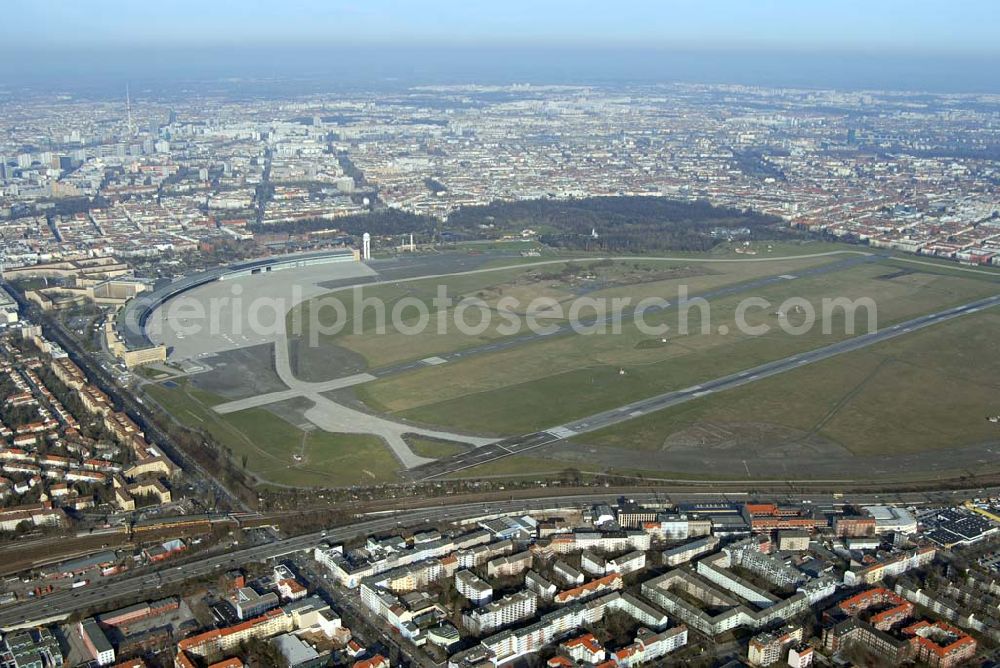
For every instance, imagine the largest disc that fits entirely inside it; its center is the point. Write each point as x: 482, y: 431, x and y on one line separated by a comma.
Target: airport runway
x: 528, y: 442
x: 515, y: 341
x: 332, y: 416
x: 523, y: 339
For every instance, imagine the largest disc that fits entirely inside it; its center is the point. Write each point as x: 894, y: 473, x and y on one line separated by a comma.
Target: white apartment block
x: 506, y: 611
x: 472, y: 587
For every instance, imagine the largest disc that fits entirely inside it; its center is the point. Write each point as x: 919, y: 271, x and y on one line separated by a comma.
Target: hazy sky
x: 944, y: 26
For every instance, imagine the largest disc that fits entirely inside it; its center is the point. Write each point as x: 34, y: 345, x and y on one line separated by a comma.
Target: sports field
x: 552, y: 381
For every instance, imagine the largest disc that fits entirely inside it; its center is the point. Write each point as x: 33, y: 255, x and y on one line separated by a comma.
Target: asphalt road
x: 521, y: 444
x: 58, y: 605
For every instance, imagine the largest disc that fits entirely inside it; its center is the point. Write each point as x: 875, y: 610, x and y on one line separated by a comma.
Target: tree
x: 259, y: 653
x: 570, y: 476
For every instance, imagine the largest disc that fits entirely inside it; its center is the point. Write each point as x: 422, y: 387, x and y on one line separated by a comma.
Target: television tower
x: 129, y: 128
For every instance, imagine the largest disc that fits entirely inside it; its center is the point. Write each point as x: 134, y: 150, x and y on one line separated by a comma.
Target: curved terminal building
x: 130, y: 325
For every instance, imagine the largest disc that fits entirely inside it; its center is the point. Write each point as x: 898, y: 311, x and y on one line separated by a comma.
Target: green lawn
x: 271, y: 443
x: 549, y: 382
x: 930, y: 390
x: 633, y: 278
x: 526, y: 466
x: 391, y: 345
x: 337, y: 460
x: 427, y: 447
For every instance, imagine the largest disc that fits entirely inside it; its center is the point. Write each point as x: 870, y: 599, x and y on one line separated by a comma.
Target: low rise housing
x: 96, y: 642
x: 889, y: 565
x: 534, y: 582
x: 590, y: 589
x: 509, y: 645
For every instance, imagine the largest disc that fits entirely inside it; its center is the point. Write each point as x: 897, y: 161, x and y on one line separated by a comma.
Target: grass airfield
x: 917, y: 396
x: 543, y: 384
x: 277, y: 451
x: 905, y: 410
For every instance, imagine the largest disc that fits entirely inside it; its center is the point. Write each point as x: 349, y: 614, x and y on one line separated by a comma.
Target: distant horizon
x: 958, y: 26
x: 103, y: 70
x: 99, y: 45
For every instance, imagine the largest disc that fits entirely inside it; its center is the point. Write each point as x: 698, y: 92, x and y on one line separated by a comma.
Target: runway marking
x: 434, y: 361
x: 788, y: 277
x: 614, y: 416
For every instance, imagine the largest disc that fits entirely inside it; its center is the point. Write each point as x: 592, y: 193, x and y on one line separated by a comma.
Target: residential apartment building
x: 500, y: 613
x: 474, y: 588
